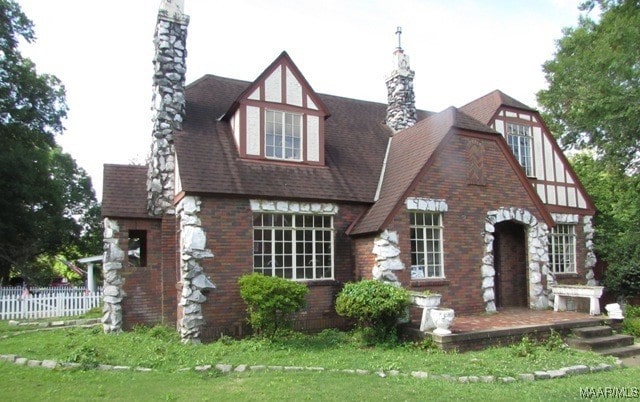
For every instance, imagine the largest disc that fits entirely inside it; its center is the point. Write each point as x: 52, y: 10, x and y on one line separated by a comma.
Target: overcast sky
x: 459, y: 49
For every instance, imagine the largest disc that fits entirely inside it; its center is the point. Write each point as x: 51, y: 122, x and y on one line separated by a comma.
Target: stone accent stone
x: 401, y: 107
x: 293, y: 207
x: 168, y: 104
x: 387, y: 252
x: 113, y: 261
x: 537, y: 246
x: 426, y: 204
x: 195, y: 283
x: 590, y: 259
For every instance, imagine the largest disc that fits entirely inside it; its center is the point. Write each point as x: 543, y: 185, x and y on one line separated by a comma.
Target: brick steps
x: 600, y: 339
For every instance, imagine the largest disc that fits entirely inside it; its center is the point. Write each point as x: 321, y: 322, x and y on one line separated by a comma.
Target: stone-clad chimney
x: 168, y: 103
x: 401, y: 108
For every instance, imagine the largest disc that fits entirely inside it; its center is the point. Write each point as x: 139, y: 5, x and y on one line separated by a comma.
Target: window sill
x: 421, y: 283
x: 566, y: 275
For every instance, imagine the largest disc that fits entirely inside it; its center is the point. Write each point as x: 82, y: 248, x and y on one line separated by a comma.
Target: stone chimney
x: 401, y: 108
x: 168, y: 103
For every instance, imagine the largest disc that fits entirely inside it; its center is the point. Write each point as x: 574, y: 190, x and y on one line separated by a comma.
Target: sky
x: 460, y: 50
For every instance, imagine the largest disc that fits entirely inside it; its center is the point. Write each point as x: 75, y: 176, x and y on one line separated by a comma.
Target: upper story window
x: 283, y: 133
x: 562, y: 249
x: 426, y: 245
x: 520, y: 140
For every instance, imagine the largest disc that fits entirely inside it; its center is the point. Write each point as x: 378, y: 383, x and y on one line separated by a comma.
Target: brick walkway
x: 517, y: 317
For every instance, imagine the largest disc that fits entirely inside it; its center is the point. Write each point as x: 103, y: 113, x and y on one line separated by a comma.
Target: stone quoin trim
x: 112, y: 263
x: 195, y: 284
x: 538, y: 257
x: 590, y: 260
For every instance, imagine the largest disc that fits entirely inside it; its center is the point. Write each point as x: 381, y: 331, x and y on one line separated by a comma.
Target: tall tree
x: 593, y: 96
x: 44, y: 194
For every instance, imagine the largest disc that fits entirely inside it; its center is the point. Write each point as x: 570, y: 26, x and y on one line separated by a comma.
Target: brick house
x: 477, y: 203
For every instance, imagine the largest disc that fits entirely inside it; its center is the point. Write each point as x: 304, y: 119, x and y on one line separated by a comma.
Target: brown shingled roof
x: 484, y: 108
x: 124, y: 191
x: 409, y: 155
x: 355, y: 142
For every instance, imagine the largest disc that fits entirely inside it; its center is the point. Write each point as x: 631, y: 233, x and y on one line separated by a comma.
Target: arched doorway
x: 537, y: 259
x: 510, y: 262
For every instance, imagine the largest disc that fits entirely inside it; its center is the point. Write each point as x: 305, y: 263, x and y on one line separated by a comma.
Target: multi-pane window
x: 426, y: 245
x: 298, y: 247
x: 519, y: 139
x: 283, y: 135
x: 562, y: 249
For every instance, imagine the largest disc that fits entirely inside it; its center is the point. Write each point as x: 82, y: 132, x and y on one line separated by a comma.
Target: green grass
x: 160, y: 348
x: 28, y: 384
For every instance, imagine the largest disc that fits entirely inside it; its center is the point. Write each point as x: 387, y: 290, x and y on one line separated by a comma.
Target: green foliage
x: 555, y: 342
x: 376, y: 307
x: 271, y: 302
x: 623, y: 280
x: 617, y: 239
x: 525, y: 348
x: 632, y: 311
x: 44, y: 193
x: 594, y: 84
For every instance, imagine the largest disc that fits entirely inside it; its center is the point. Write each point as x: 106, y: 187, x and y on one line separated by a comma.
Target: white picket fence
x: 15, y: 303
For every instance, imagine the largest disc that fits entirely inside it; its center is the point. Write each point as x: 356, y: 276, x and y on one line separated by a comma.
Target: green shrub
x: 631, y: 326
x: 623, y: 280
x: 271, y: 302
x: 375, y: 306
x: 526, y: 347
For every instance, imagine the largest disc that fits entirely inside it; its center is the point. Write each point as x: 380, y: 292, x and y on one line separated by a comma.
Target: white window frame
x: 562, y: 249
x: 299, y: 247
x: 426, y: 237
x: 520, y: 141
x: 283, y: 137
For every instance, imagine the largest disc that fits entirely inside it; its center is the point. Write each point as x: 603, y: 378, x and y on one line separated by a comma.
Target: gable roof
x: 484, y: 108
x: 282, y: 60
x: 407, y: 162
x: 124, y: 191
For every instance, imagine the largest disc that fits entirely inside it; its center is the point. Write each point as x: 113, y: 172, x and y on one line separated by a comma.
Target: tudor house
x: 477, y: 203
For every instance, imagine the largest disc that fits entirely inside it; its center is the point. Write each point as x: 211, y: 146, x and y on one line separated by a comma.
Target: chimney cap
x: 173, y: 10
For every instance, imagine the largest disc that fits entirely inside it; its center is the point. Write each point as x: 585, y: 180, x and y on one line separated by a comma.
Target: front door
x: 510, y: 263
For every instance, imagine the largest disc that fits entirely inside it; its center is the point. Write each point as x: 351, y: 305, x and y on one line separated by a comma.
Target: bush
x: 375, y: 305
x: 623, y: 280
x: 271, y: 302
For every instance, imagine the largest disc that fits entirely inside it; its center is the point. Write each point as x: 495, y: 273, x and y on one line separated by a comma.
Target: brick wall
x: 142, y: 285
x: 228, y: 223
x: 448, y: 178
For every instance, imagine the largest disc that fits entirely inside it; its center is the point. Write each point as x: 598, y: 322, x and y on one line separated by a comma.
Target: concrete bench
x: 562, y: 292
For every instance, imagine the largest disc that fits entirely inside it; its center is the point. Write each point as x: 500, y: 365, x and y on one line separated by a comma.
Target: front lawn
x: 159, y: 348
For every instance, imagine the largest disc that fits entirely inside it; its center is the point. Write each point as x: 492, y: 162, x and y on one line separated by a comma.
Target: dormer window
x: 520, y: 140
x: 283, y: 132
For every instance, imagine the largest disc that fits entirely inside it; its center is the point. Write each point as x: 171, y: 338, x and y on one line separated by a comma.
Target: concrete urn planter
x: 427, y: 302
x: 442, y: 319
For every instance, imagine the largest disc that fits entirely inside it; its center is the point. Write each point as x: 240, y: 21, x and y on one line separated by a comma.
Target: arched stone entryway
x: 536, y: 237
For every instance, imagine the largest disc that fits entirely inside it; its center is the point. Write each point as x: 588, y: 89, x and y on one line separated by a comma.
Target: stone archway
x: 537, y: 256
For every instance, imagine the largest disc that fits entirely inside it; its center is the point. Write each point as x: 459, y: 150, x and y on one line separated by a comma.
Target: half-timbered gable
x: 279, y: 117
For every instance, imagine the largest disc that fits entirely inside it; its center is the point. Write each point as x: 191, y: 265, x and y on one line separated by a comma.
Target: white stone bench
x: 562, y: 292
